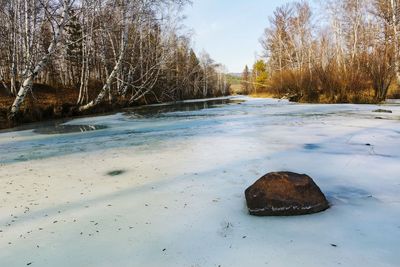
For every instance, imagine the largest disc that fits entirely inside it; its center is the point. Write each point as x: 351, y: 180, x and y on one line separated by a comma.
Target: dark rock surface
x: 383, y: 111
x: 285, y: 194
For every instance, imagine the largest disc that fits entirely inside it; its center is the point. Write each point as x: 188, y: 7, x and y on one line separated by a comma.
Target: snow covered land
x: 164, y: 186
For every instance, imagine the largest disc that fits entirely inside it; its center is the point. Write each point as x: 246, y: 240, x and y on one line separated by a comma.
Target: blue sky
x: 229, y: 30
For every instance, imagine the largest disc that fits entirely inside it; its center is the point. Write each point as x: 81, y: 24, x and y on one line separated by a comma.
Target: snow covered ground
x: 166, y: 188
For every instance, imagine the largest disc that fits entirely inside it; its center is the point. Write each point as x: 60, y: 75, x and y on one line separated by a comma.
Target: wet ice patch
x: 115, y: 172
x: 164, y: 110
x: 311, y: 146
x: 348, y: 195
x: 66, y: 129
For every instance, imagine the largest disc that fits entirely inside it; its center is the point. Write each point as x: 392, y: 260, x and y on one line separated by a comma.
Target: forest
x: 333, y: 51
x: 199, y: 133
x: 60, y: 58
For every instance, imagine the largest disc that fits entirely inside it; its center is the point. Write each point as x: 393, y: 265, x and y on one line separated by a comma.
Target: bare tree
x: 102, y: 51
x: 32, y: 69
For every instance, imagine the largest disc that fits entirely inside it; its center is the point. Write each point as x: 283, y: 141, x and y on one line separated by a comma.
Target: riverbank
x: 322, y: 99
x: 48, y: 103
x: 43, y: 103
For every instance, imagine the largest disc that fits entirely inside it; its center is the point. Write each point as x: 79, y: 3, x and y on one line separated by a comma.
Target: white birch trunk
x: 395, y: 6
x: 107, y: 86
x: 27, y: 83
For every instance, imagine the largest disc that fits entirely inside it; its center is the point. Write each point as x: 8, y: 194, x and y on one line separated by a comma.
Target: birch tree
x: 101, y: 51
x: 32, y: 69
x: 123, y: 9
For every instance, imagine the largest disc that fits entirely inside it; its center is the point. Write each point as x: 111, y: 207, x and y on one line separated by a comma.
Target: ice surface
x: 177, y: 196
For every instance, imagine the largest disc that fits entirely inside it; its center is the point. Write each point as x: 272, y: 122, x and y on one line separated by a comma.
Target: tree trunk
x: 394, y: 5
x: 107, y: 86
x: 26, y: 85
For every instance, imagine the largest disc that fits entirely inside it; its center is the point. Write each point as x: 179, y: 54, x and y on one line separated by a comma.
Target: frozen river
x: 164, y: 186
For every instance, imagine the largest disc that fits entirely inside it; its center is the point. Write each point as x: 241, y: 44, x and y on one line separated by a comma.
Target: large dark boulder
x: 285, y: 194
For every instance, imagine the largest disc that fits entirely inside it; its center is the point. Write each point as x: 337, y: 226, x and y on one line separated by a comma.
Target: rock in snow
x: 382, y: 111
x: 285, y: 194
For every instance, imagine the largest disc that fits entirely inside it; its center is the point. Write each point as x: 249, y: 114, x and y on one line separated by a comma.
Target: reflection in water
x: 64, y: 129
x: 151, y: 111
x: 160, y: 110
x: 117, y: 130
x: 151, y: 127
x: 139, y: 126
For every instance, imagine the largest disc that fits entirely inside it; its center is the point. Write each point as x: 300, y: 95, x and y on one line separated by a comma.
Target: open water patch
x: 185, y: 106
x: 66, y: 129
x: 311, y: 146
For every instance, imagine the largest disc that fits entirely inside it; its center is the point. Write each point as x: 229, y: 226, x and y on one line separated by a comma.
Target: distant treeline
x: 107, y: 50
x: 348, y: 52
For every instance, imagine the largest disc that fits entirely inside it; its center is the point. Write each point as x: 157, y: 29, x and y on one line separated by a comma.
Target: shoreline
x: 101, y: 110
x: 39, y: 113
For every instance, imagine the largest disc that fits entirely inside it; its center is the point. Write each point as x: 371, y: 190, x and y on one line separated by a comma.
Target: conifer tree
x: 246, y: 81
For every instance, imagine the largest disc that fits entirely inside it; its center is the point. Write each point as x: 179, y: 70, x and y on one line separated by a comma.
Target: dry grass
x: 236, y: 88
x: 394, y: 93
x: 263, y: 95
x: 44, y: 102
